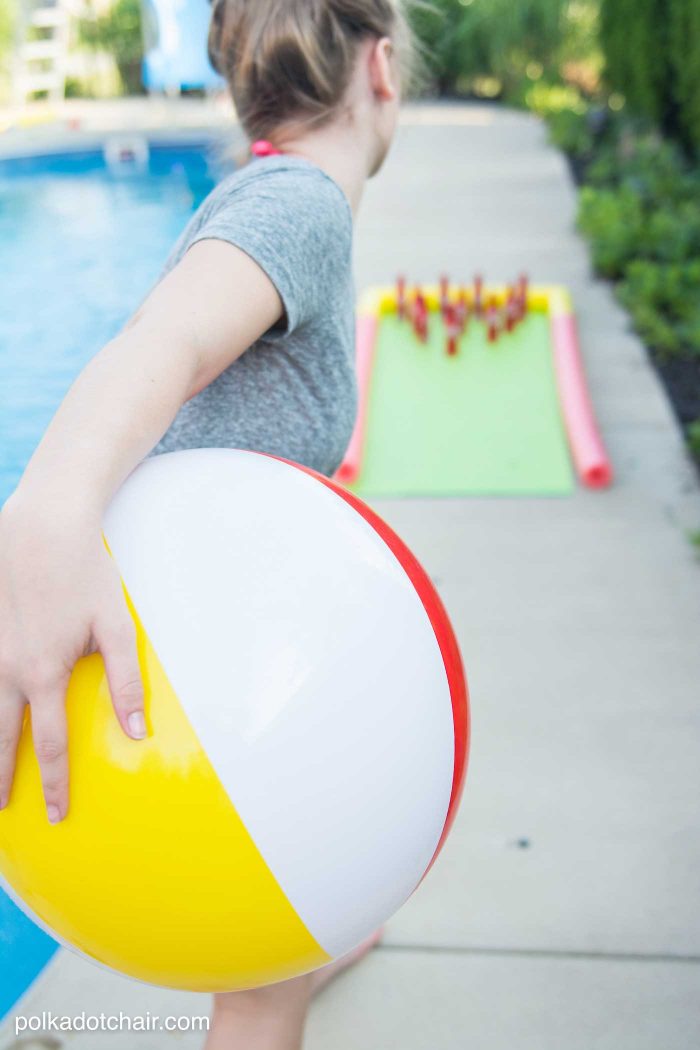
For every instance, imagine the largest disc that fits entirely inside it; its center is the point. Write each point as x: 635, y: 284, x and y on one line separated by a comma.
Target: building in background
x: 109, y: 47
x: 42, y: 35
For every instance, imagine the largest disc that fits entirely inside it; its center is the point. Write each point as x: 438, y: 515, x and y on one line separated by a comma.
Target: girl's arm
x: 199, y: 319
x: 60, y: 592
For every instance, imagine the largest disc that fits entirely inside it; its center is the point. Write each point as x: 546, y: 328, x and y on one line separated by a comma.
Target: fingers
x: 12, y: 708
x: 50, y: 737
x: 117, y: 643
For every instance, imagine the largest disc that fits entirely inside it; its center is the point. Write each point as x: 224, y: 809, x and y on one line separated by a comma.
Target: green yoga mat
x: 486, y: 421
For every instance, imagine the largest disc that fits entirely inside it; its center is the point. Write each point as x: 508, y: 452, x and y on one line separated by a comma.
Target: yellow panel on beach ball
x: 158, y: 861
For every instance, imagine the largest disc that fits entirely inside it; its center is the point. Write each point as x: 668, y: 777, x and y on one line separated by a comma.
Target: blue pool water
x: 80, y: 246
x: 24, y: 952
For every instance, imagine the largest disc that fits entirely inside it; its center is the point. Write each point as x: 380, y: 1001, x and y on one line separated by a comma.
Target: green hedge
x: 639, y: 207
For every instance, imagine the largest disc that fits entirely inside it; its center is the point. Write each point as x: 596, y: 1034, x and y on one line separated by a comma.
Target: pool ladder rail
x: 124, y: 154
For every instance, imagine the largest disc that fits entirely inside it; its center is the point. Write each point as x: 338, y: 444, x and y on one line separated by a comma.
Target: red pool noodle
x: 586, y: 445
x: 365, y: 340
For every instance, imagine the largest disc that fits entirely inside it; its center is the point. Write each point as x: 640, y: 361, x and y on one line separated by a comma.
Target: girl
x: 246, y: 341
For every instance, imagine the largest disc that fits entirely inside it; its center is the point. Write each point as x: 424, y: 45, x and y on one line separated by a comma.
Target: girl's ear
x: 381, y: 68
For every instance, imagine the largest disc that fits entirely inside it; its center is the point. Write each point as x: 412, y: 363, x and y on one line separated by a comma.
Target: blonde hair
x: 291, y: 61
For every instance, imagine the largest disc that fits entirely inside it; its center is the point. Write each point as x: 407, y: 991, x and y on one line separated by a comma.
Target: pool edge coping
x: 64, y: 142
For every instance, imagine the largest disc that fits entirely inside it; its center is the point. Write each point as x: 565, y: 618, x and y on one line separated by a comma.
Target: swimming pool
x: 81, y: 242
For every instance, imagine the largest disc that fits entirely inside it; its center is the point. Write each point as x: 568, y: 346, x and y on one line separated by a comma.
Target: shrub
x: 640, y: 202
x: 544, y: 99
x: 642, y: 216
x: 642, y: 160
x: 693, y: 432
x: 664, y: 303
x: 673, y: 232
x: 76, y: 87
x: 571, y: 131
x: 614, y: 221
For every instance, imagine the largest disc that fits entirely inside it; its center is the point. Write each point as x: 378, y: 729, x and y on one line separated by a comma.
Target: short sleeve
x: 296, y: 225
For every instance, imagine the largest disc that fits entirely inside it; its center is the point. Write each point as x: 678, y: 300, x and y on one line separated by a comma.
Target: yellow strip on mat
x: 152, y: 873
x: 380, y: 300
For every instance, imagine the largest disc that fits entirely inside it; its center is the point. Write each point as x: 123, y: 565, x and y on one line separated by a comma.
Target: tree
x: 652, y: 57
x: 7, y: 25
x: 684, y: 61
x: 120, y: 33
x: 464, y: 39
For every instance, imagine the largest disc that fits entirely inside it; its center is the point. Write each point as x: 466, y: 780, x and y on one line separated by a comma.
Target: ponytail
x: 292, y: 60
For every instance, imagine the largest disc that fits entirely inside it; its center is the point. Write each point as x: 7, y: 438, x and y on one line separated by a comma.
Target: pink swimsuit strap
x: 263, y: 148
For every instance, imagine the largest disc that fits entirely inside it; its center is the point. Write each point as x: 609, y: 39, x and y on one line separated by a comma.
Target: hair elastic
x: 263, y: 148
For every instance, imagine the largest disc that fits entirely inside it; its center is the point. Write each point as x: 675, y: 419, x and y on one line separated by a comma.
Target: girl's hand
x: 60, y: 598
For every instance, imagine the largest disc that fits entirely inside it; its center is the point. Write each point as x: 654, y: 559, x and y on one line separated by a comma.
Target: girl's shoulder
x: 279, y: 205
x: 292, y: 219
x: 281, y: 182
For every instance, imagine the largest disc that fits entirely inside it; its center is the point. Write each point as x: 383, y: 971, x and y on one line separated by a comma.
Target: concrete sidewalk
x: 564, y: 913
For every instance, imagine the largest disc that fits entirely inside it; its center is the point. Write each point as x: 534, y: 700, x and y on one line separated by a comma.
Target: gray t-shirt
x: 292, y: 393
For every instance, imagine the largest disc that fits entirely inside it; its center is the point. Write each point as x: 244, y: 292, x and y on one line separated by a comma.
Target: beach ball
x: 307, y: 734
